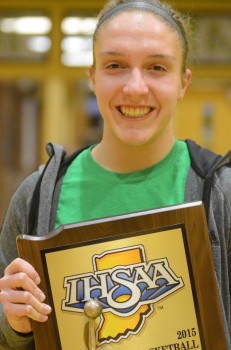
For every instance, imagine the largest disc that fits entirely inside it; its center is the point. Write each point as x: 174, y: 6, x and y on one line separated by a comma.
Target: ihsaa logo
x: 127, y: 286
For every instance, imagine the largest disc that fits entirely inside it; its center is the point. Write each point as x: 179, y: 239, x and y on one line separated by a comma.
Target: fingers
x: 21, y: 275
x: 22, y: 303
x: 20, y: 280
x: 21, y: 298
x: 20, y: 265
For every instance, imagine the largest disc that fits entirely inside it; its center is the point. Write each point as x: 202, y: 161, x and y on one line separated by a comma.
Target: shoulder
x: 212, y: 171
x: 20, y: 201
x: 15, y: 221
x: 222, y: 180
x: 202, y: 159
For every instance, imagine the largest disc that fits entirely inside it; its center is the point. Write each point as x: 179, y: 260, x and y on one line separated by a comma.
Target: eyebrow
x: 110, y: 53
x: 118, y: 54
x: 170, y: 57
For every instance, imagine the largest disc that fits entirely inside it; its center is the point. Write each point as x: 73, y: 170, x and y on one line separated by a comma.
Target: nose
x: 136, y: 85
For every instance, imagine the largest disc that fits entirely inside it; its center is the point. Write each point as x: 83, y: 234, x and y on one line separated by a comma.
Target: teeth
x: 135, y: 112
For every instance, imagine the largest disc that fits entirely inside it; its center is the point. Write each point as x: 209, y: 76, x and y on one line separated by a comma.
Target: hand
x: 20, y: 296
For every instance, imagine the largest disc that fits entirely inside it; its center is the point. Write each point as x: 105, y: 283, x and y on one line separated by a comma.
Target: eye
x: 114, y: 66
x: 158, y: 67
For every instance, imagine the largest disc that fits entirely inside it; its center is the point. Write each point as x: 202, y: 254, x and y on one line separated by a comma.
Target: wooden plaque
x: 152, y: 271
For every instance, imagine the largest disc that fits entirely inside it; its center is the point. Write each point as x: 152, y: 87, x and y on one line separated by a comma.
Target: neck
x: 129, y: 158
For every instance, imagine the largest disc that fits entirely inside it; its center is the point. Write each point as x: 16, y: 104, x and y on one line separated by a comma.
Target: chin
x: 136, y: 139
x: 135, y: 142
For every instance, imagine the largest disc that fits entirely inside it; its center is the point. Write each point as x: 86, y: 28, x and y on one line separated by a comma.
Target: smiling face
x: 138, y: 79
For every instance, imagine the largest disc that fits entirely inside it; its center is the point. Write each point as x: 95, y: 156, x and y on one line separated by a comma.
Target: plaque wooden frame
x: 192, y: 222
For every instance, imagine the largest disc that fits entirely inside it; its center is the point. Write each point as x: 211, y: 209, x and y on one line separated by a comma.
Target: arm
x: 21, y: 299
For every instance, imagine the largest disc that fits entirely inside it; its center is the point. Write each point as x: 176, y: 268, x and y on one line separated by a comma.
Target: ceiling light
x: 26, y: 25
x: 39, y: 44
x: 79, y: 25
x: 76, y: 44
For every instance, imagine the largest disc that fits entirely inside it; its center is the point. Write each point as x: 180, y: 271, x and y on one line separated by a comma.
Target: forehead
x: 135, y: 17
x: 137, y: 27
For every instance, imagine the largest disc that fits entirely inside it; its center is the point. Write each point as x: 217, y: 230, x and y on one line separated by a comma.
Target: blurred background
x: 45, y: 93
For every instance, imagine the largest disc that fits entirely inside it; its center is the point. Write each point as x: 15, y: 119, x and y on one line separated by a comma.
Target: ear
x: 91, y: 71
x: 186, y: 79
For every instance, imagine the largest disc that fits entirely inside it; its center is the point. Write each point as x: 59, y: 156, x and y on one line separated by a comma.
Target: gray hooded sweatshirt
x: 218, y: 216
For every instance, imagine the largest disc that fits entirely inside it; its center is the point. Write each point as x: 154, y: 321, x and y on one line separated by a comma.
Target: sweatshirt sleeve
x: 14, y: 224
x: 9, y: 339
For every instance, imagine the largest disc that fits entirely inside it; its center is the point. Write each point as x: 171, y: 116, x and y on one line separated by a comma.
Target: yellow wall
x: 190, y: 120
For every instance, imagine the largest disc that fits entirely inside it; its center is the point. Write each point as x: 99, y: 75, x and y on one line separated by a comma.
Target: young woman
x: 139, y: 75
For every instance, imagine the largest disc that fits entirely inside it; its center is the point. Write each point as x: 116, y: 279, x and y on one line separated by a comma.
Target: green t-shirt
x: 91, y: 192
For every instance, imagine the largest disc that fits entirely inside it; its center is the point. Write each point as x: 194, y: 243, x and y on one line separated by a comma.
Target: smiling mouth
x: 135, y: 112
